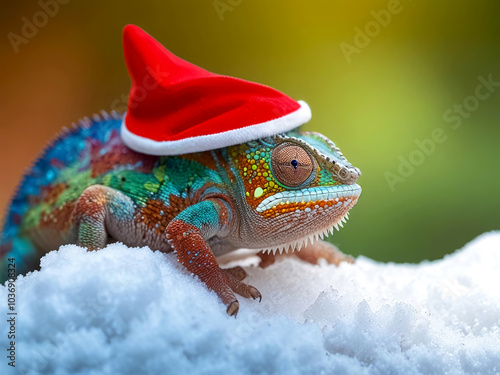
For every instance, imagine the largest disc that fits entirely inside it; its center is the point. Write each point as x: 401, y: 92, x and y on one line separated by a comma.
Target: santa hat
x: 176, y: 107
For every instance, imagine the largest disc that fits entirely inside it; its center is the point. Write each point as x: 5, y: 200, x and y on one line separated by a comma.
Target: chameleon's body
x: 88, y: 188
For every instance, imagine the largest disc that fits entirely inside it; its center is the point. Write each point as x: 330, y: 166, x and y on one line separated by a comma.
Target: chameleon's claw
x: 254, y: 293
x: 239, y: 287
x: 232, y: 309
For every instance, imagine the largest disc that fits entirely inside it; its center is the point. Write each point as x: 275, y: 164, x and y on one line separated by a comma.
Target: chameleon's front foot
x: 232, y: 280
x: 193, y: 252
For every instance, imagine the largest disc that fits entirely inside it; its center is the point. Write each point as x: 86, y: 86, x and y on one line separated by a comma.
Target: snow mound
x: 133, y: 311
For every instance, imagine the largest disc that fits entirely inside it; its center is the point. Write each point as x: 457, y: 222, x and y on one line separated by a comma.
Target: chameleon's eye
x: 291, y: 164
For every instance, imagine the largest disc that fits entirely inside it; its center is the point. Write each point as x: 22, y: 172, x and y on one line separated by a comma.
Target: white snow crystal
x: 133, y: 311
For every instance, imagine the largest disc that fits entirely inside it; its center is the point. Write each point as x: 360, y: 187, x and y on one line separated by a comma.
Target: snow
x: 133, y: 311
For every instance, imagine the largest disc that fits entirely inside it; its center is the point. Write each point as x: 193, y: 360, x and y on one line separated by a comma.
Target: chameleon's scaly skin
x: 88, y: 188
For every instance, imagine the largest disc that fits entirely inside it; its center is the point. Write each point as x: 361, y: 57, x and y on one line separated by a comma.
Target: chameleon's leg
x: 99, y: 209
x: 188, y: 233
x: 311, y: 253
x: 322, y: 249
x: 266, y: 259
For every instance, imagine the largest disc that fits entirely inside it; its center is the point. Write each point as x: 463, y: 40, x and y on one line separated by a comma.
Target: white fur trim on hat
x: 214, y: 141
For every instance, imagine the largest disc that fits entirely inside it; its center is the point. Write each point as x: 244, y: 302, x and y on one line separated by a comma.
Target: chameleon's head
x: 297, y: 187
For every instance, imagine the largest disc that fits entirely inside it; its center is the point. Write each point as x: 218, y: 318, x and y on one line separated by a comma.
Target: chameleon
x: 276, y: 194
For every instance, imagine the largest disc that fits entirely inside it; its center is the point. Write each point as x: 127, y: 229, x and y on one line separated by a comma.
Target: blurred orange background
x: 380, y: 76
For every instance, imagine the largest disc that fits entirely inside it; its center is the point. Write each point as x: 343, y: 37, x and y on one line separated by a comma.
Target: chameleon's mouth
x: 328, y: 196
x: 312, y: 238
x: 337, y: 200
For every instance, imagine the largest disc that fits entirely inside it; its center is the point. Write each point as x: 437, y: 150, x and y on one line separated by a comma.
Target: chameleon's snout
x: 348, y: 175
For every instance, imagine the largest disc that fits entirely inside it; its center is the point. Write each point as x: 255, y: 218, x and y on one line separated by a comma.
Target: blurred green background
x: 392, y: 88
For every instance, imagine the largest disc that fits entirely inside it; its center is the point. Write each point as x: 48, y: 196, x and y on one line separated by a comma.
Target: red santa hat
x: 176, y: 107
